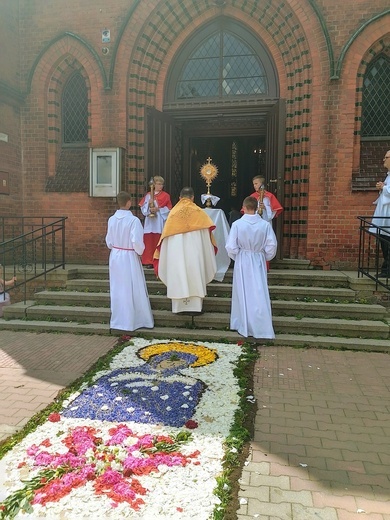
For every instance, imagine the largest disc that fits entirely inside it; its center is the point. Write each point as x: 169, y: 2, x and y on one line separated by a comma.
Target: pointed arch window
x: 75, y: 110
x: 220, y: 61
x: 376, y: 93
x: 373, y: 115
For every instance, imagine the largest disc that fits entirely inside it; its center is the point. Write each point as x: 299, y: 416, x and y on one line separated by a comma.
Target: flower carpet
x: 151, y: 432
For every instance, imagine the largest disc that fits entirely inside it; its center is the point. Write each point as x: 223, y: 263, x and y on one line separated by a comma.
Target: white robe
x: 4, y: 299
x: 382, y: 208
x: 251, y: 242
x: 186, y: 265
x: 220, y: 233
x: 130, y: 304
x: 154, y: 224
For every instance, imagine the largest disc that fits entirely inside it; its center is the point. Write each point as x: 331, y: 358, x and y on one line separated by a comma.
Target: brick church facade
x: 296, y: 90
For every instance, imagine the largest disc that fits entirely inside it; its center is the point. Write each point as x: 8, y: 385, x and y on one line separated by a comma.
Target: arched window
x: 376, y: 96
x: 75, y: 110
x: 222, y: 60
x: 373, y: 113
x: 71, y: 162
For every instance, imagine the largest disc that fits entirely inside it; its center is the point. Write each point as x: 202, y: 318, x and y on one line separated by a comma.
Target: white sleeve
x: 145, y: 206
x: 271, y: 244
x: 231, y: 246
x: 268, y: 214
x: 109, y: 241
x: 386, y: 193
x: 164, y: 212
x: 137, y: 237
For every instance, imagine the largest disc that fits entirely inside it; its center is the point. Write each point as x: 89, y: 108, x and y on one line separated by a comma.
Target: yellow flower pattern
x: 205, y: 355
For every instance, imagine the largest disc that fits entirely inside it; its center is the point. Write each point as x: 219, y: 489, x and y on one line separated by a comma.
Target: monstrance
x: 208, y: 172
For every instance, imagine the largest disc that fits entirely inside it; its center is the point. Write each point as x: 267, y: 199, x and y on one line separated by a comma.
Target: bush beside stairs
x: 325, y: 309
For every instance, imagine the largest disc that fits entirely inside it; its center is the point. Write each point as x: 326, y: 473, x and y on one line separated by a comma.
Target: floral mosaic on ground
x: 144, y: 439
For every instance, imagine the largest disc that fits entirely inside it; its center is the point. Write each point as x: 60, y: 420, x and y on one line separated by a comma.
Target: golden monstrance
x: 208, y: 172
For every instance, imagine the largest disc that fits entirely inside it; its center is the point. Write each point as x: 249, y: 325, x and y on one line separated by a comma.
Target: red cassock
x: 275, y: 204
x: 163, y: 199
x: 152, y: 235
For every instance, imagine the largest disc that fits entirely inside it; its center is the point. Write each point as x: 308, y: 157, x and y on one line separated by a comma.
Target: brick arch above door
x: 295, y: 52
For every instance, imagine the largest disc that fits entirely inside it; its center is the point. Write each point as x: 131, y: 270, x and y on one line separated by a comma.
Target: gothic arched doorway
x: 221, y: 101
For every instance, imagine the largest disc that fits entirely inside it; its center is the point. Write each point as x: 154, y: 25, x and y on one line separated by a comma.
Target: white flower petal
x: 168, y: 488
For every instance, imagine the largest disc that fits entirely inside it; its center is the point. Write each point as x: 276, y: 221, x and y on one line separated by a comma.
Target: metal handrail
x: 31, y: 247
x: 370, y: 254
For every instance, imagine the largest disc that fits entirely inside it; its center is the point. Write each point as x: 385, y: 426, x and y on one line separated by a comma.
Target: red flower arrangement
x: 54, y: 417
x: 191, y: 425
x: 90, y: 458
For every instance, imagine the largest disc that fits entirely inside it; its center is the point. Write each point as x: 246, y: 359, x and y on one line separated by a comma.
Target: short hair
x: 258, y: 177
x: 187, y: 193
x: 122, y: 198
x: 158, y: 178
x: 250, y: 203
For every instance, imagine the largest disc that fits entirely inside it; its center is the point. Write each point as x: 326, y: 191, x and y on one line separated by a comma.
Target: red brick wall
x: 9, y: 55
x: 337, y: 226
x: 10, y: 100
x: 322, y: 143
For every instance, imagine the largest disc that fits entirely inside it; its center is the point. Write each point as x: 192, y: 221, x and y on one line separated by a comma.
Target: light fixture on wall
x: 105, y: 50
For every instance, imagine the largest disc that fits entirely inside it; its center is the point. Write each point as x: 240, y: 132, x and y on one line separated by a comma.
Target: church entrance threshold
x: 237, y: 158
x: 242, y: 141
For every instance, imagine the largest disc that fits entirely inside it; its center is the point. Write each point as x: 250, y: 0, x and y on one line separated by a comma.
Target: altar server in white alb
x: 155, y: 207
x: 251, y: 243
x: 130, y: 305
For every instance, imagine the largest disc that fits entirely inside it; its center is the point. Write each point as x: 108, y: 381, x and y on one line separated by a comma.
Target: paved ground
x: 34, y: 367
x: 321, y: 447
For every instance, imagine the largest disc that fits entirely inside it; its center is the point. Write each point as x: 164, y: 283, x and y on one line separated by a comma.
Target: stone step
x: 324, y: 309
x: 90, y: 286
x: 275, y: 277
x: 362, y: 328
x: 97, y: 271
x: 294, y: 340
x: 91, y: 299
x: 307, y: 278
x: 220, y: 304
x: 290, y: 263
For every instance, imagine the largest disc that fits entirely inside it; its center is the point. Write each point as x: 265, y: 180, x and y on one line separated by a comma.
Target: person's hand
x: 380, y: 185
x: 261, y: 205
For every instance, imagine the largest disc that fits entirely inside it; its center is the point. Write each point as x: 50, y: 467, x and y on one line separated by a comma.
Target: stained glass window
x: 376, y: 96
x: 222, y: 65
x: 75, y: 110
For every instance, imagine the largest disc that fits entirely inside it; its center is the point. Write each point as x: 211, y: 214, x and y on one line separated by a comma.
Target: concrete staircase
x: 327, y: 309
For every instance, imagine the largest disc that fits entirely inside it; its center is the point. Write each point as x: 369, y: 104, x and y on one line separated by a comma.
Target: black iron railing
x: 31, y: 247
x: 370, y: 250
